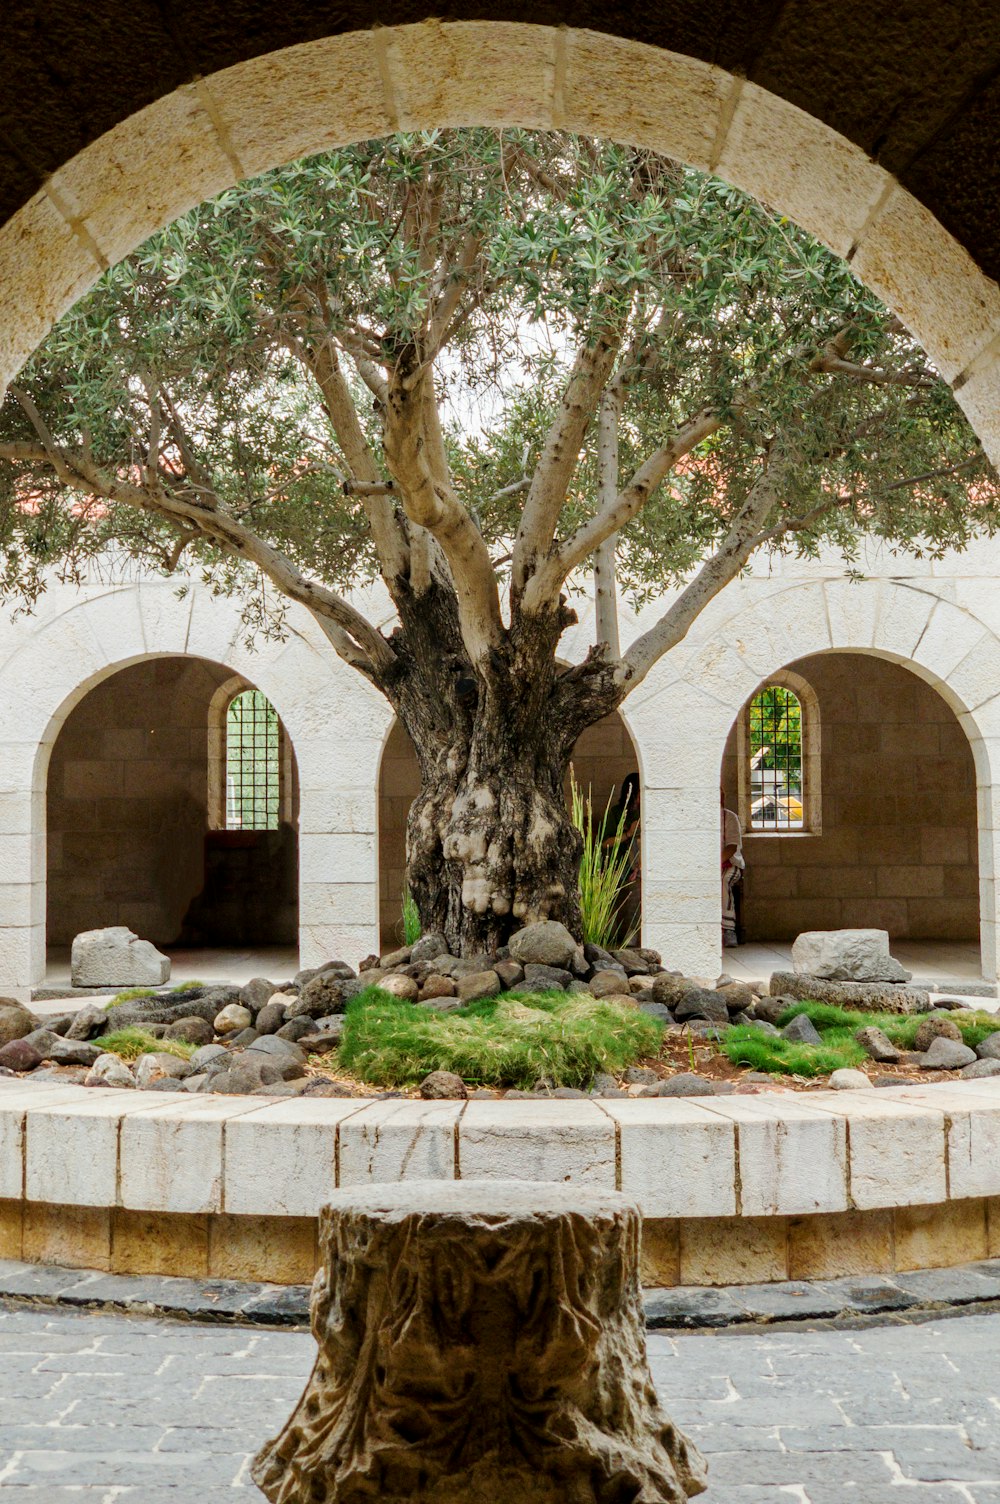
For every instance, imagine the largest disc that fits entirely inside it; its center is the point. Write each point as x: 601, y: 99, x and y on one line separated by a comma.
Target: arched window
x: 779, y: 751
x: 253, y: 763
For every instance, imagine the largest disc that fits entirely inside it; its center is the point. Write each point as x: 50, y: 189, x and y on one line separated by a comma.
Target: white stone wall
x: 941, y: 620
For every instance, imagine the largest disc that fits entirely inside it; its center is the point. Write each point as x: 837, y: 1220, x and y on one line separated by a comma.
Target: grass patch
x: 502, y: 1041
x: 745, y: 1045
x: 188, y: 986
x: 130, y: 1043
x: 130, y: 995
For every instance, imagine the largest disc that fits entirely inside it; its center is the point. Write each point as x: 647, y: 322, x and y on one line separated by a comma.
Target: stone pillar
x: 479, y: 1342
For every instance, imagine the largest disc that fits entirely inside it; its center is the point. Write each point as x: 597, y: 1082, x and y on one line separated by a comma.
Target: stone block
x: 847, y: 956
x: 935, y: 1237
x: 172, y: 1154
x: 282, y: 1159
x: 150, y: 1242
x: 660, y: 1252
x: 972, y: 1132
x: 11, y: 1228
x: 460, y: 73
x: 71, y: 1148
x: 676, y: 1158
x: 870, y: 997
x: 733, y: 1250
x: 845, y: 1243
x: 77, y: 1236
x: 897, y: 1153
x: 792, y: 1159
x: 115, y: 957
x: 399, y: 1140
x: 537, y: 1140
x: 275, y: 1250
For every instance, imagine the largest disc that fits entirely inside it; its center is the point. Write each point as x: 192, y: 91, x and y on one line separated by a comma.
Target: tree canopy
x: 488, y: 362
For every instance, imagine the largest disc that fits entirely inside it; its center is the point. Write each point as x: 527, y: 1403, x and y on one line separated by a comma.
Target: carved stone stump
x: 480, y: 1342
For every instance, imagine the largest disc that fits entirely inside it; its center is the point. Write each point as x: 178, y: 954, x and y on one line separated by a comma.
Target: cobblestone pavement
x: 110, y: 1409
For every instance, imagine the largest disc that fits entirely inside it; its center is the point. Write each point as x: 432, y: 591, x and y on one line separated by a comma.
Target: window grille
x: 775, y: 736
x: 253, y: 763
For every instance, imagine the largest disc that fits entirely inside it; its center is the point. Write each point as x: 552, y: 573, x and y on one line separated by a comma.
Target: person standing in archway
x: 733, y: 868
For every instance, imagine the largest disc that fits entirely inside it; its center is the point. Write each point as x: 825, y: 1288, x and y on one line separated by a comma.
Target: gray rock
x: 877, y: 1045
x: 89, y: 1022
x: 868, y: 997
x: 322, y: 1086
x: 396, y: 958
x: 397, y: 984
x: 435, y: 985
x: 930, y: 1029
x: 242, y: 1039
x: 639, y: 1075
x: 440, y: 1084
x: 669, y: 988
x: 847, y: 956
x: 191, y: 1030
x: 115, y: 957
x: 989, y: 1048
x: 737, y: 996
x: 208, y: 1052
x: 770, y: 1009
x: 109, y: 1070
x: 21, y: 1055
x: 270, y: 1018
x: 801, y: 1030
x: 327, y: 994
x: 441, y: 1004
x: 15, y: 1021
x: 764, y: 1027
x: 542, y: 978
x: 479, y: 984
x: 232, y: 1018
x: 703, y: 1003
x: 63, y: 1051
x: 603, y: 1081
x: 981, y: 1068
x: 141, y: 1012
x: 633, y: 961
x: 683, y: 1085
x: 246, y: 1074
x: 608, y: 983
x: 153, y: 1068
x: 257, y: 993
x: 273, y: 1046
x: 659, y: 1011
x: 847, y: 1079
x: 429, y: 947
x: 568, y: 1092
x: 547, y: 943
x: 947, y: 1055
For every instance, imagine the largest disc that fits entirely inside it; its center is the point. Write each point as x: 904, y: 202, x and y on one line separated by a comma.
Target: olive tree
x: 489, y: 369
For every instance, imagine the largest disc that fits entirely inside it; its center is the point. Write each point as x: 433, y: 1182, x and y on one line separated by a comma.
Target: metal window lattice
x: 776, y: 795
x: 253, y: 764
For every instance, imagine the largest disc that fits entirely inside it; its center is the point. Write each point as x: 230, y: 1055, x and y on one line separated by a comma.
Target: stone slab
x: 866, y: 997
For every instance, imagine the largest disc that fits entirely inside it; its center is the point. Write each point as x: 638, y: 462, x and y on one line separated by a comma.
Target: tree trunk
x: 491, y: 845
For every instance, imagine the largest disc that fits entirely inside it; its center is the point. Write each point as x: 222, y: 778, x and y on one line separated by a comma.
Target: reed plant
x: 605, y: 867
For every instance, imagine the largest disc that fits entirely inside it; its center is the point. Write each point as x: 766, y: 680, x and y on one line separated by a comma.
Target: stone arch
x: 683, y: 715
x: 334, y: 722
x: 604, y: 755
x: 269, y: 109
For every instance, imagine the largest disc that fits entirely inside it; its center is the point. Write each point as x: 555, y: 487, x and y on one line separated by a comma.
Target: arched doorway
x: 858, y: 807
x: 172, y: 808
x: 603, y: 758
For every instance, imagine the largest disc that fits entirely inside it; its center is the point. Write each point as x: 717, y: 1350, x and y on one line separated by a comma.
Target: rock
x: 603, y: 1081
x: 737, y: 996
x: 109, y: 1070
x: 20, y: 1055
x: 930, y: 1029
x: 396, y: 958
x: 440, y: 1084
x: 322, y: 1086
x: 659, y: 1011
x: 479, y: 984
x: 209, y: 1052
x: 141, y: 1012
x: 274, y: 1047
x: 509, y: 972
x: 15, y: 1021
x: 701, y: 1002
x: 90, y: 1021
x: 438, y: 986
x: 257, y: 993
x: 232, y: 1019
x: 61, y: 1024
x: 877, y: 1045
x: 115, y: 957
x: 639, y: 1075
x: 397, y: 985
x: 989, y: 1048
x: 607, y: 983
x: 801, y: 1030
x: 847, y: 956
x: 542, y: 978
x: 668, y: 988
x: 295, y: 1029
x: 867, y: 997
x: 270, y: 1018
x: 980, y: 1069
x: 63, y: 1051
x: 429, y: 947
x: 848, y: 1080
x: 770, y: 1009
x: 153, y: 1068
x: 327, y: 993
x: 462, y: 966
x: 685, y: 1084
x: 547, y: 943
x: 240, y: 1040
x: 633, y: 962
x: 763, y: 1027
x: 946, y: 1055
x: 325, y: 1039
x: 442, y: 1004
x: 189, y: 1030
x: 246, y: 1075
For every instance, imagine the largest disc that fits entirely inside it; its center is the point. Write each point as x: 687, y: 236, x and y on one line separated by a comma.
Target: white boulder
x: 847, y: 956
x: 115, y: 957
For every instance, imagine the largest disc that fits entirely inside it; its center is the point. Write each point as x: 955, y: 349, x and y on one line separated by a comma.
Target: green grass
x: 606, y: 862
x: 411, y: 919
x: 130, y: 1043
x: 130, y: 995
x: 187, y: 986
x: 502, y: 1041
x: 837, y: 1026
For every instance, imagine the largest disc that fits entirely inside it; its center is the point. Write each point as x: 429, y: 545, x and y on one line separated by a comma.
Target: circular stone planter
x: 732, y: 1189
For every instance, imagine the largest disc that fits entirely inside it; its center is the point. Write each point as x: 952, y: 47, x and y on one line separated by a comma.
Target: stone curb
x: 921, y: 1295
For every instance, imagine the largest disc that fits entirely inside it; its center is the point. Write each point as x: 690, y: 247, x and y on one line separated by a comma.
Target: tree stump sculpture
x: 479, y: 1342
